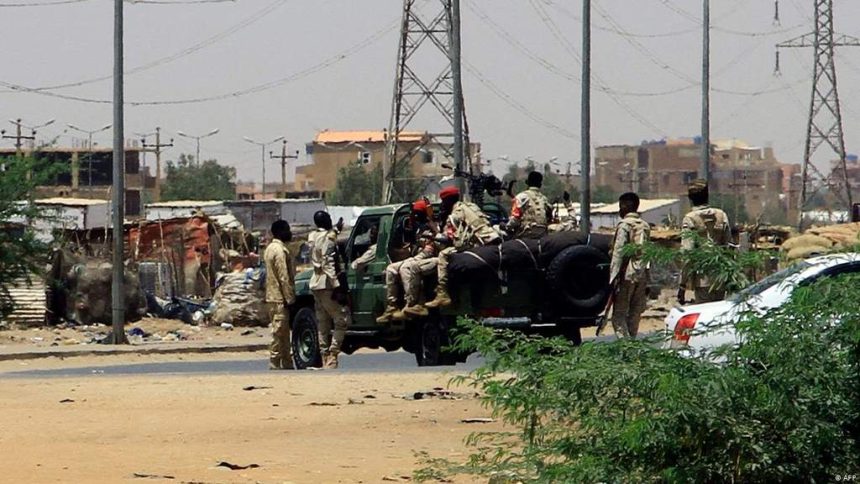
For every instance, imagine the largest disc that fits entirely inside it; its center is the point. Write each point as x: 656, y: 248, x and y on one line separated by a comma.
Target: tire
x: 579, y: 279
x: 572, y: 333
x: 305, y: 340
x: 432, y: 337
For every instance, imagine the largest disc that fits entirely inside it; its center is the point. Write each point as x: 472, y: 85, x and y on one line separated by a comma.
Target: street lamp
x: 198, y: 138
x: 263, y: 156
x: 90, y: 134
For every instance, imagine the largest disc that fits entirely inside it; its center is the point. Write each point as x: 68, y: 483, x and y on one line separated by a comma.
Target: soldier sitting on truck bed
x: 531, y: 211
x: 421, y: 223
x: 466, y: 227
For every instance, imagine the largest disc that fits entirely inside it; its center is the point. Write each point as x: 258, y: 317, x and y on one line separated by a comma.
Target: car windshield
x: 770, y: 281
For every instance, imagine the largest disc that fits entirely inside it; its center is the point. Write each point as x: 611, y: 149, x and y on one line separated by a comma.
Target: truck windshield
x: 770, y: 281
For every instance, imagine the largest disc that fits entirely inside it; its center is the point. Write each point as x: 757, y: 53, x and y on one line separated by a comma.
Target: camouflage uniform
x: 364, y: 259
x: 323, y: 283
x: 631, y: 295
x: 529, y: 218
x: 567, y: 223
x: 280, y: 292
x: 467, y: 227
x: 711, y: 224
x: 412, y: 273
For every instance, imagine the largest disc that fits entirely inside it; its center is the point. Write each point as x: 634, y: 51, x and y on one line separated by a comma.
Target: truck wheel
x: 432, y: 338
x: 306, y: 347
x: 579, y: 278
x: 573, y: 334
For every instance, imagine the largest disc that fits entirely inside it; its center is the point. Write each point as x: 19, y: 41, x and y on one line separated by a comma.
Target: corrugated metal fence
x: 29, y: 302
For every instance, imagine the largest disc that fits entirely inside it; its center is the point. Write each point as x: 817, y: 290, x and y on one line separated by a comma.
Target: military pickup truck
x: 561, y: 288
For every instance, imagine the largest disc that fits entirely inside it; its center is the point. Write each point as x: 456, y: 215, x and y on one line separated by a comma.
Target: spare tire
x: 579, y: 279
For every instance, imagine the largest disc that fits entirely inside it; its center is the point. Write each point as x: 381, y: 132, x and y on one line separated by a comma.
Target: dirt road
x: 302, y: 427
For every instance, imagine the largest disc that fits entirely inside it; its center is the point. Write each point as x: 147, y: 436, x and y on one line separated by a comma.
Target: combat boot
x: 416, y: 311
x: 330, y: 361
x: 387, y: 316
x: 400, y: 315
x: 443, y: 299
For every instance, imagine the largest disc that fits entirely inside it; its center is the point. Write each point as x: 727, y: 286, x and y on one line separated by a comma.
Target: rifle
x: 614, y: 286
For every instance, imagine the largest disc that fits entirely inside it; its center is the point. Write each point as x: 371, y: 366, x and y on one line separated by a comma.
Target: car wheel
x: 305, y: 340
x: 432, y: 343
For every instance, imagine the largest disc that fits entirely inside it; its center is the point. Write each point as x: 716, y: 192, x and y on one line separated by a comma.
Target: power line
x: 247, y: 22
x: 40, y: 4
x: 343, y: 55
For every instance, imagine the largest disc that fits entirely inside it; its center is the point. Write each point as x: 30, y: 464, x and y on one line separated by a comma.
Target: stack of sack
x: 821, y: 240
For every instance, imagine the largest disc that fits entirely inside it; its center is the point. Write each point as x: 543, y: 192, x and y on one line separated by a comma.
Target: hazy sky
x: 525, y: 102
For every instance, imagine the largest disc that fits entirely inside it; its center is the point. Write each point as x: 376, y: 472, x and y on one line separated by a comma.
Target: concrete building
x: 90, y: 175
x: 663, y: 169
x: 332, y: 150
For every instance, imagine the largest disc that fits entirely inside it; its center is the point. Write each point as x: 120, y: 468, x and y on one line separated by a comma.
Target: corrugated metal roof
x: 29, y: 302
x: 70, y: 202
x: 185, y: 204
x: 644, y: 205
x: 363, y: 136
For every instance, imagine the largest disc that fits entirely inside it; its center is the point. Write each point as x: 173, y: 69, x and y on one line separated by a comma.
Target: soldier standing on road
x: 330, y: 295
x: 531, y: 211
x: 710, y: 225
x: 628, y: 273
x: 466, y: 227
x: 280, y: 294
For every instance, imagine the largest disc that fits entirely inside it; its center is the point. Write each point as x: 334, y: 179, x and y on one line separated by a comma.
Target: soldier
x: 629, y: 275
x: 369, y: 255
x: 280, y: 293
x: 531, y: 211
x: 467, y: 226
x: 420, y: 221
x: 330, y: 293
x: 708, y: 224
x: 568, y: 223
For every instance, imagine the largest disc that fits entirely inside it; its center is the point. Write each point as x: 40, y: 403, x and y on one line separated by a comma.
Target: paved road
x: 398, y: 361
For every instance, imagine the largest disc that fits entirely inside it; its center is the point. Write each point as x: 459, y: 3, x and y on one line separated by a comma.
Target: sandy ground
x: 297, y: 427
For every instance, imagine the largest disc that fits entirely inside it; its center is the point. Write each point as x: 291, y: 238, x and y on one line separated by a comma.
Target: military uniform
x: 323, y: 283
x: 364, y: 259
x: 467, y: 227
x: 632, y: 293
x: 529, y: 214
x: 280, y: 292
x: 567, y: 223
x: 412, y: 273
x: 711, y: 224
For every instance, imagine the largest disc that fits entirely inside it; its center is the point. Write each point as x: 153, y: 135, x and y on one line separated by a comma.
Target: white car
x: 703, y: 327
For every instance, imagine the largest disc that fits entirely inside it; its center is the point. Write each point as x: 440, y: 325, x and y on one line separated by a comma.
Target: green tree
x: 356, y: 185
x: 186, y: 180
x: 604, y: 194
x: 21, y: 253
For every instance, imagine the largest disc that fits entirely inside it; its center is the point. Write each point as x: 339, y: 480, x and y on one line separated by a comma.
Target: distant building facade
x: 332, y: 150
x: 89, y: 175
x: 663, y: 169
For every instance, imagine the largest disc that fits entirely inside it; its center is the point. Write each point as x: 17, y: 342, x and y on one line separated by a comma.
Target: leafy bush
x: 782, y: 406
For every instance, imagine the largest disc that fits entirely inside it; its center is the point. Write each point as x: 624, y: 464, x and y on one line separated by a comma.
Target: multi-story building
x: 332, y: 150
x: 663, y: 169
x: 89, y: 175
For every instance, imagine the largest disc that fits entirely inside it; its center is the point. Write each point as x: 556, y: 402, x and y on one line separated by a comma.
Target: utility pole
x: 457, y: 81
x: 705, y: 170
x: 118, y: 195
x: 263, y: 157
x: 89, y: 134
x: 585, y: 153
x: 284, y: 157
x: 19, y: 136
x: 156, y: 148
x: 824, y: 125
x: 198, y: 138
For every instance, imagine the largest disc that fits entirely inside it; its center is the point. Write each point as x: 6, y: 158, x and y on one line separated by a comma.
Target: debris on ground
x: 239, y: 299
x: 237, y: 467
x: 477, y: 420
x: 439, y: 393
x: 138, y: 475
x: 252, y: 387
x: 352, y: 401
x: 67, y: 400
x: 324, y: 404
